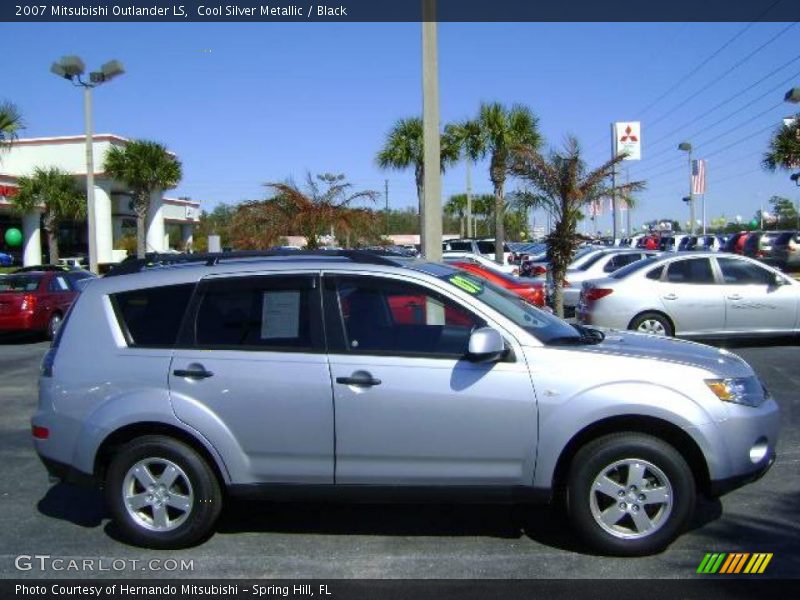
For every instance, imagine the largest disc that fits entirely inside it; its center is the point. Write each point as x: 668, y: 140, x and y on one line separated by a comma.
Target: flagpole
x: 703, y: 204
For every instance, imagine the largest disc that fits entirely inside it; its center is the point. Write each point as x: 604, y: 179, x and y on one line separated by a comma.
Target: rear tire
x: 161, y: 493
x: 629, y: 494
x: 652, y: 323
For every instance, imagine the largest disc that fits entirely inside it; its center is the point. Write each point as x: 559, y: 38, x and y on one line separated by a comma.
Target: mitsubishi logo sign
x: 628, y: 139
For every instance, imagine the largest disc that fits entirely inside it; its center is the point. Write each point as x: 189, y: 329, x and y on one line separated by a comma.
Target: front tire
x: 162, y: 494
x: 629, y: 494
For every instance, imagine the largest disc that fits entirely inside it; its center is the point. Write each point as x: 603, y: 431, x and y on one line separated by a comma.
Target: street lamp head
x: 58, y: 69
x: 72, y: 65
x: 685, y: 146
x: 795, y: 177
x: 793, y: 95
x: 111, y: 69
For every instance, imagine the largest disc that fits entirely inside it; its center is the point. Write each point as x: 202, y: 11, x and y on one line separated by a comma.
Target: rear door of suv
x: 251, y: 352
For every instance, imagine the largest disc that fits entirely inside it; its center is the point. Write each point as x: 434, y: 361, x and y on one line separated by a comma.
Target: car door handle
x: 359, y: 378
x: 670, y: 297
x: 193, y: 373
x: 734, y: 297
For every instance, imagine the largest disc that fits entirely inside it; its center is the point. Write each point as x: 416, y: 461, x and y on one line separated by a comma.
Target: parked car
x: 481, y: 260
x: 786, y: 251
x: 694, y: 295
x: 598, y: 266
x: 538, y: 266
x: 759, y: 245
x: 246, y: 375
x: 37, y: 301
x: 533, y: 292
x: 484, y: 247
x: 736, y: 242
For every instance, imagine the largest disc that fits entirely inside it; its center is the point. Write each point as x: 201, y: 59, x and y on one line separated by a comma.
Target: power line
x: 725, y: 74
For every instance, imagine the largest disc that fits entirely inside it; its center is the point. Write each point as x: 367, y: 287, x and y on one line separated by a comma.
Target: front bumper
x: 723, y: 486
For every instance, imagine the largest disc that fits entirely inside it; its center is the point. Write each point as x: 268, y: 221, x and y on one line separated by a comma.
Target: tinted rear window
x: 460, y: 246
x: 20, y: 283
x: 151, y: 317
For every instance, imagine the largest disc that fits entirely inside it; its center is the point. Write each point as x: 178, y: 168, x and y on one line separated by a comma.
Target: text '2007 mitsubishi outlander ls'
x: 351, y: 374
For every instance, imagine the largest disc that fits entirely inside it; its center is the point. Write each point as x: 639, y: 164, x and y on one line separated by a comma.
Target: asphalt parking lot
x: 388, y: 541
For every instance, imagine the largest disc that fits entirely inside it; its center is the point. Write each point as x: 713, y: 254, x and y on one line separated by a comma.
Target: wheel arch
x: 676, y: 437
x: 653, y: 312
x: 126, y: 433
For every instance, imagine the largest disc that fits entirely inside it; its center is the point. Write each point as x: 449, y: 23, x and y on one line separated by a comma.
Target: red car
x: 532, y: 292
x: 36, y: 301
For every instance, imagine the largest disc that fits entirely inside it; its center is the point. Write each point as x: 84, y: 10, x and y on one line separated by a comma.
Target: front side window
x: 20, y: 283
x: 694, y: 270
x: 741, y: 272
x: 258, y: 313
x: 151, y: 317
x: 59, y: 284
x: 382, y: 316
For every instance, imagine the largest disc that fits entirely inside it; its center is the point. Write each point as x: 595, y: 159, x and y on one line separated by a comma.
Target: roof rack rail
x: 135, y: 265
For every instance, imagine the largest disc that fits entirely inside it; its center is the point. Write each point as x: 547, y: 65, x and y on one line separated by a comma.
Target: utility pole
x: 432, y: 205
x: 627, y: 204
x: 469, y: 199
x: 386, y: 197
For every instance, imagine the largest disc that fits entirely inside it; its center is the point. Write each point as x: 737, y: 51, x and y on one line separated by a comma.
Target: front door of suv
x: 410, y: 409
x: 251, y: 352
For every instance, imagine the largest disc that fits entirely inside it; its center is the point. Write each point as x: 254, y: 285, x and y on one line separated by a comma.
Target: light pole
x: 687, y: 147
x: 432, y: 189
x: 72, y: 68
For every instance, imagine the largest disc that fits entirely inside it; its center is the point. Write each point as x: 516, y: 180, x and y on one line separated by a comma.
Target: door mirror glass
x: 486, y: 345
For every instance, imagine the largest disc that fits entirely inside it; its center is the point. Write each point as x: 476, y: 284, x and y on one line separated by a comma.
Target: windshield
x: 542, y: 325
x: 633, y: 267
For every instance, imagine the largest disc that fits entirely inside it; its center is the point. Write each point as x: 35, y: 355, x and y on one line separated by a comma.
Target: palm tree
x: 495, y: 132
x: 57, y: 192
x: 10, y: 124
x: 145, y: 167
x: 456, y: 206
x: 324, y: 205
x: 784, y: 148
x: 562, y: 184
x: 403, y: 148
x: 483, y: 206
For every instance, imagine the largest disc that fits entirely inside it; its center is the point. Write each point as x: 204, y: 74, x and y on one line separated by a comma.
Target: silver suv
x: 351, y: 374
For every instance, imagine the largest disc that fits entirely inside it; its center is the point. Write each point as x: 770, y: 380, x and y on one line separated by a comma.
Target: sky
x: 244, y: 104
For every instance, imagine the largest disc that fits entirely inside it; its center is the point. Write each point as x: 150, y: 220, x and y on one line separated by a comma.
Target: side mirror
x: 778, y: 280
x: 486, y: 345
x: 610, y: 267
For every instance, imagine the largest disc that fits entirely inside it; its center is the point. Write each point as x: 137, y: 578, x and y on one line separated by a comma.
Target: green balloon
x: 13, y: 237
x: 754, y: 223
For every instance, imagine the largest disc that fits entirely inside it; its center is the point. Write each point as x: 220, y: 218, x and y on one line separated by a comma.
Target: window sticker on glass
x: 280, y: 315
x: 468, y: 285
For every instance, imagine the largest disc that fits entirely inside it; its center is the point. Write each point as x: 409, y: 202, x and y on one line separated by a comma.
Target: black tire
x: 654, y: 317
x: 204, y: 488
x: 53, y: 325
x: 596, y: 458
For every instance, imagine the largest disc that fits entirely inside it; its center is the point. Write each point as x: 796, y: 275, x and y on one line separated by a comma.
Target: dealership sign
x: 628, y: 139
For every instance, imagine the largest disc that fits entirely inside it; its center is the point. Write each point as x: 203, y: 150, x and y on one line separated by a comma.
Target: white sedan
x: 481, y: 260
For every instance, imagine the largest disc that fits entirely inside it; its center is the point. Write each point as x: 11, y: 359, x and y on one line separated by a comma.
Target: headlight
x: 741, y: 390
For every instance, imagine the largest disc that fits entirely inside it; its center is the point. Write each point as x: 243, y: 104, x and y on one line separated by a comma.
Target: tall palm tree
x: 145, y: 167
x: 456, y: 206
x: 326, y: 203
x: 58, y: 194
x: 483, y: 206
x: 495, y: 132
x: 784, y: 148
x: 562, y: 183
x: 403, y: 148
x: 10, y: 124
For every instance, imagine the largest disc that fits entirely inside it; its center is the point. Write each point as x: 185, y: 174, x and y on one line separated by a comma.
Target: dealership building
x: 112, y: 201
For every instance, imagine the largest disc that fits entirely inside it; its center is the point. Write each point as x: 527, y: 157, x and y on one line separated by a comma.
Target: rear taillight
x: 539, y: 270
x: 28, y: 303
x: 594, y: 294
x: 40, y: 433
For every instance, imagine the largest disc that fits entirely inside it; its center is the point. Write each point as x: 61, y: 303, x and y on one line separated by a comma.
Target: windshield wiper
x: 586, y: 336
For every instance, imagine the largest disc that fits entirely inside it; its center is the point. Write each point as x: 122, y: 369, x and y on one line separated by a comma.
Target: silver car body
x: 274, y: 417
x: 481, y: 260
x: 713, y: 308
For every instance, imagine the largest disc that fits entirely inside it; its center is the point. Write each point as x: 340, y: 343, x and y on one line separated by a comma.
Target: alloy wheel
x: 157, y: 494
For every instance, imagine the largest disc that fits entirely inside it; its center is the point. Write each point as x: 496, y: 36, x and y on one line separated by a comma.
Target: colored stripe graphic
x: 734, y: 563
x: 758, y: 563
x: 711, y: 563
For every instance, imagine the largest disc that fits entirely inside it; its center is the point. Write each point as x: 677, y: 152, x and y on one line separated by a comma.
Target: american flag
x: 698, y: 177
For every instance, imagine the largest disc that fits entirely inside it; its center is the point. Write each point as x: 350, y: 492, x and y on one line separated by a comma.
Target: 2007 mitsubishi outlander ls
x: 353, y: 373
